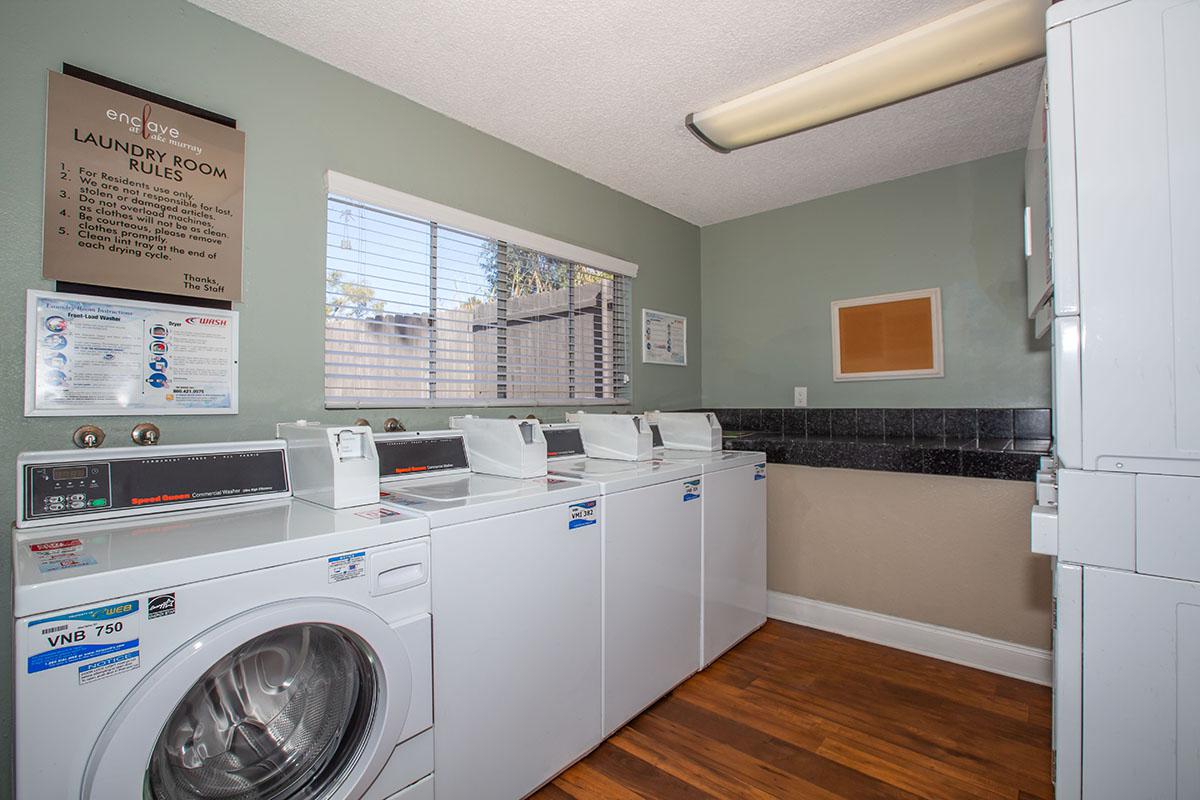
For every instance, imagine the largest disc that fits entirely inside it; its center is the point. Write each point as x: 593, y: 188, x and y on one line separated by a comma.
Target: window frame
x: 339, y: 186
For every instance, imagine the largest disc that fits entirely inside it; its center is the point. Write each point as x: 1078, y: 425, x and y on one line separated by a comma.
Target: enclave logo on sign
x: 162, y: 605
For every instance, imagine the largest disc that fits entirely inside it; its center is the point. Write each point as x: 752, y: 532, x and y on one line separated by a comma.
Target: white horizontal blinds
x: 419, y: 313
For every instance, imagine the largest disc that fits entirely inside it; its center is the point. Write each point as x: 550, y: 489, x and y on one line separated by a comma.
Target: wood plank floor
x: 794, y: 712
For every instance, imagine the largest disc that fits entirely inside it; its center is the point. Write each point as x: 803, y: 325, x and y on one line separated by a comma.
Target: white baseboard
x: 960, y: 647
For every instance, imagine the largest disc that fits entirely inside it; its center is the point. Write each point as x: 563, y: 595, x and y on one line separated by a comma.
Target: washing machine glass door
x: 282, y: 716
x: 297, y: 700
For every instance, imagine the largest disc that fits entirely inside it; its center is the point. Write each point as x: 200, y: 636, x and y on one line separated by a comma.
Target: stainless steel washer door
x: 282, y: 716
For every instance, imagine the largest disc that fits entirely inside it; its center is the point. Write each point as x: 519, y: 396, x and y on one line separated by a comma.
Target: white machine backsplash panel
x: 1137, y: 180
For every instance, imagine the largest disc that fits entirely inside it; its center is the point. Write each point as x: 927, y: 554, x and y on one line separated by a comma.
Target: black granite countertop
x: 976, y: 443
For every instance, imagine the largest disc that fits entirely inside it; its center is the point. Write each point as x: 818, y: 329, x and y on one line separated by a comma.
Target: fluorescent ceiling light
x: 979, y: 39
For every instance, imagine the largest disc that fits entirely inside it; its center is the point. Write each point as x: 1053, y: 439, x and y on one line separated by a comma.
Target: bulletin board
x: 888, y: 336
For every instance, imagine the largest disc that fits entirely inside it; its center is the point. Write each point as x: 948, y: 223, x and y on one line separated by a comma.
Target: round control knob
x: 392, y: 425
x: 364, y: 423
x: 145, y: 433
x: 88, y: 436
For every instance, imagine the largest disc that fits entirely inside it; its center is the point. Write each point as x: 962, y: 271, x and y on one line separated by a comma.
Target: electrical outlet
x: 801, y: 400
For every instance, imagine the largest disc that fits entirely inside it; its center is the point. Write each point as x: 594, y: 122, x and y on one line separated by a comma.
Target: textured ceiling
x: 602, y: 88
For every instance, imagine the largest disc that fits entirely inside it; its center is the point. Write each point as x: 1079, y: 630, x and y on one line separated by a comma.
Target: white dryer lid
x: 617, y: 476
x: 465, y: 497
x: 68, y: 565
x: 713, y: 461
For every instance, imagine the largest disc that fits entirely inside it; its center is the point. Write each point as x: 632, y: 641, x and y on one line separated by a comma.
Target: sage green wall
x: 769, y: 278
x: 301, y: 118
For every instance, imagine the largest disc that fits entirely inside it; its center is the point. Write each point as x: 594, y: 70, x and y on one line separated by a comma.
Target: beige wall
x: 944, y: 550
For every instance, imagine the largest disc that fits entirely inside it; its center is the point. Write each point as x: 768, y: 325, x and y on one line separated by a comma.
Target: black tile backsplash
x: 929, y: 423
x: 962, y: 423
x: 794, y: 421
x: 995, y: 423
x: 818, y: 422
x: 1005, y: 443
x: 842, y: 422
x: 869, y: 421
x: 898, y: 423
x: 1031, y: 423
x: 772, y: 419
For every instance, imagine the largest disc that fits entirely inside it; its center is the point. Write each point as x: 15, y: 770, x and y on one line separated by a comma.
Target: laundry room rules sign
x: 140, y: 195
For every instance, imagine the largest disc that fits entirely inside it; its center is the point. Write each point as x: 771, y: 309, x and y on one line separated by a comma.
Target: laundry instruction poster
x: 141, y: 195
x: 664, y: 338
x: 91, y: 355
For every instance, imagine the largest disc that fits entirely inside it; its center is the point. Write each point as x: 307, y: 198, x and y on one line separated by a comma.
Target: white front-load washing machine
x: 185, y: 629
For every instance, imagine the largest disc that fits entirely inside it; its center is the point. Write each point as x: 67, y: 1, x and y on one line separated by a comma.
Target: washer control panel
x: 71, y: 486
x: 67, y: 488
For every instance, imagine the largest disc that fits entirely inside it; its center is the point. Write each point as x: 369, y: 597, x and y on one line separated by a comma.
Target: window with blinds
x: 418, y: 313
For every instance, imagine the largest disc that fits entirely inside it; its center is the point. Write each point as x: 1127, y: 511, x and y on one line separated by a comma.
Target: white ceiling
x: 603, y: 87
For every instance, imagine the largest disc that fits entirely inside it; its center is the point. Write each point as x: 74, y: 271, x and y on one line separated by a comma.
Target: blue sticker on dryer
x: 691, y: 490
x: 760, y: 472
x: 583, y: 514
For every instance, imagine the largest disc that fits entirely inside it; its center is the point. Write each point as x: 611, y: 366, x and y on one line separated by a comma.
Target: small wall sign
x: 664, y: 338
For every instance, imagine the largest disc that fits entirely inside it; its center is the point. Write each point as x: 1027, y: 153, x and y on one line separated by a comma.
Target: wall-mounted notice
x: 664, y: 338
x: 91, y: 355
x: 139, y: 195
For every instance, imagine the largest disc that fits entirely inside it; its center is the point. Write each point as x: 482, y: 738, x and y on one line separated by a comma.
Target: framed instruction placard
x: 664, y: 338
x: 92, y: 355
x: 888, y: 336
x: 140, y: 195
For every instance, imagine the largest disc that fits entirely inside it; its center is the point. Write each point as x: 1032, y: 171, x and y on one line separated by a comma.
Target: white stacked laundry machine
x: 1117, y: 280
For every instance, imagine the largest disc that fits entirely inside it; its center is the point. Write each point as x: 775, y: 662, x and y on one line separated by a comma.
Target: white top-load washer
x: 185, y: 629
x: 516, y: 604
x: 734, y: 529
x: 650, y: 512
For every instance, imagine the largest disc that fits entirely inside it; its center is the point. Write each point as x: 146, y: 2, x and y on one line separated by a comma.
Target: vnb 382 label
x: 82, y: 635
x: 583, y: 514
x: 691, y: 490
x: 760, y: 472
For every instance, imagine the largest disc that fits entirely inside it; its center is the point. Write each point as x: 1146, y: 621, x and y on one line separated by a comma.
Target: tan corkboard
x: 888, y: 336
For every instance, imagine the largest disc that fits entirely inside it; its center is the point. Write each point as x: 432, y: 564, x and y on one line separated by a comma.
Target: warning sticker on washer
x: 691, y: 490
x: 347, y: 566
x: 60, y: 554
x: 376, y: 513
x: 82, y: 635
x: 107, y: 667
x: 583, y: 514
x: 760, y: 472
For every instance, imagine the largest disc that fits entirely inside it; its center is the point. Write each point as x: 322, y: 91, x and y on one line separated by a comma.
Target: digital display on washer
x: 409, y: 455
x: 563, y: 442
x: 69, y: 473
x: 65, y: 490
